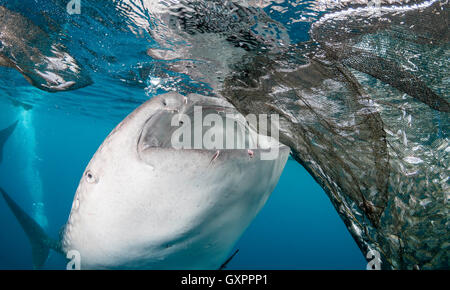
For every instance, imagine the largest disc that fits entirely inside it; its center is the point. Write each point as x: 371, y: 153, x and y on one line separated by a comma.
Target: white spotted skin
x: 178, y: 210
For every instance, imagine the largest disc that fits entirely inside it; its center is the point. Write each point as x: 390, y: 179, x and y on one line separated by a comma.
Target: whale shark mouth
x: 198, y: 123
x: 160, y: 130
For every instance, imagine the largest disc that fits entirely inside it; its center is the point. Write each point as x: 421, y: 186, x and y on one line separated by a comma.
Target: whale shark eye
x: 90, y: 177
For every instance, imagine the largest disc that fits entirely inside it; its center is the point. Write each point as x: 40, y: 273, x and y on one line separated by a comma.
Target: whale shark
x: 143, y: 204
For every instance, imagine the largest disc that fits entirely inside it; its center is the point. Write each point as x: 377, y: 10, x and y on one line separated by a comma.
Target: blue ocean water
x: 57, y: 134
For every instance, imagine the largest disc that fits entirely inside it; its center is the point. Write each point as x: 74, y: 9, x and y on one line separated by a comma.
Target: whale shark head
x: 141, y: 203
